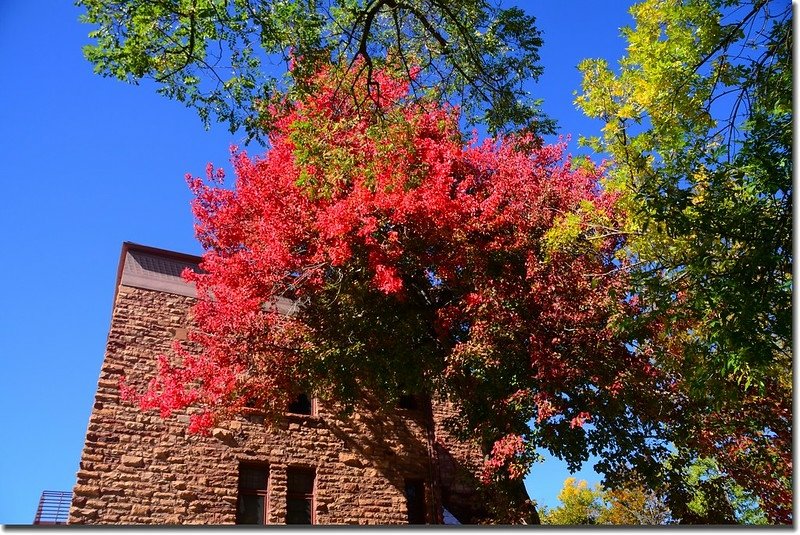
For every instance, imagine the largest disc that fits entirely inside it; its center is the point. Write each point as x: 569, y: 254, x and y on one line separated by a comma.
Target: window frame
x: 261, y: 493
x: 312, y: 402
x: 310, y: 496
x: 419, y: 485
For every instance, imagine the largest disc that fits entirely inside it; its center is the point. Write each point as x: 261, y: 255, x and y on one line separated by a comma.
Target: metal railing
x: 53, y: 507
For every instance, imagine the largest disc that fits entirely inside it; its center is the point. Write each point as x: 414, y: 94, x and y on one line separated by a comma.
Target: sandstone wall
x: 459, y: 468
x: 139, y: 469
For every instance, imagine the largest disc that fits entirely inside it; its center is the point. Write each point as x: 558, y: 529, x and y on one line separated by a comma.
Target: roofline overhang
x: 128, y: 246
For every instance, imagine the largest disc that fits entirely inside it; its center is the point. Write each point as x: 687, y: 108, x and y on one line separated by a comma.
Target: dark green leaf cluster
x: 737, y: 211
x: 699, y: 494
x: 228, y: 58
x: 361, y: 329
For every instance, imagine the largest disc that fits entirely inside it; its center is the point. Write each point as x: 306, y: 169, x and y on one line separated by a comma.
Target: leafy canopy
x: 419, y: 262
x: 623, y: 316
x: 222, y: 57
x: 580, y: 504
x: 698, y: 123
x: 696, y: 493
x: 626, y: 506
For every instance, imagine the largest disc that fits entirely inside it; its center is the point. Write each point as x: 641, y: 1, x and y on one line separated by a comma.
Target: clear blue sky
x: 88, y: 163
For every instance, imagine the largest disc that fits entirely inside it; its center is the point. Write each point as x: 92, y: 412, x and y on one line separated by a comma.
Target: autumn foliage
x: 374, y: 249
x: 417, y: 261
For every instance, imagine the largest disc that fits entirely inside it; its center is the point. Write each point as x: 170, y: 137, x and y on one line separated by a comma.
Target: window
x: 407, y: 401
x: 299, y: 496
x: 251, y: 505
x: 301, y: 405
x: 415, y: 500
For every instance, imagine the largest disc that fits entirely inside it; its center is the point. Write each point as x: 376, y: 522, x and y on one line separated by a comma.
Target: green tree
x: 694, y: 493
x: 628, y: 506
x: 222, y: 56
x: 698, y: 123
x: 580, y: 504
x: 698, y: 493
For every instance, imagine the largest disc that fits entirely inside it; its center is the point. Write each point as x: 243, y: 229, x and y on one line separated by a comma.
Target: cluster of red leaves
x: 506, y: 453
x: 485, y: 271
x: 387, y: 200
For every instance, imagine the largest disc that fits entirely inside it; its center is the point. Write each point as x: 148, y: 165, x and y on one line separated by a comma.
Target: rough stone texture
x: 137, y: 468
x: 459, y: 469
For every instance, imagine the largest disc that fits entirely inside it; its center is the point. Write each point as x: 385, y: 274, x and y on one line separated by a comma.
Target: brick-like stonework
x: 137, y: 468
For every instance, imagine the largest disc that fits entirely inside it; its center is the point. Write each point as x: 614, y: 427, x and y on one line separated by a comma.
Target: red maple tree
x: 374, y: 249
x: 416, y: 261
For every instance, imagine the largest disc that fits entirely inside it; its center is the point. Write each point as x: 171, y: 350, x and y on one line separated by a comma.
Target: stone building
x: 376, y: 466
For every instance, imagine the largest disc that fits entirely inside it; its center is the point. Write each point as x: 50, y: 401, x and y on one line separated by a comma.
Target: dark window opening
x: 301, y: 405
x: 251, y: 505
x: 415, y: 500
x: 299, y: 496
x: 254, y: 404
x: 407, y: 401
